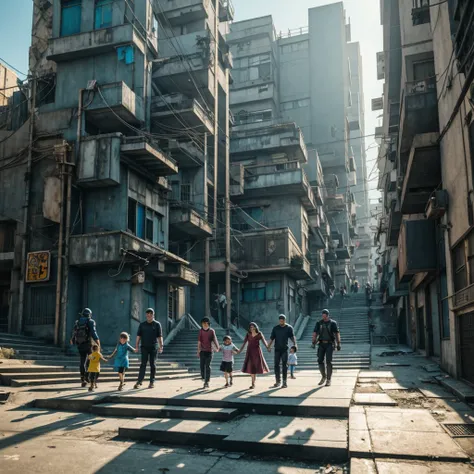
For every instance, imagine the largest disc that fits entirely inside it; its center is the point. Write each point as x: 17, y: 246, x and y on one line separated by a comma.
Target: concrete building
x: 426, y: 176
x: 115, y: 115
x: 8, y: 84
x: 295, y: 89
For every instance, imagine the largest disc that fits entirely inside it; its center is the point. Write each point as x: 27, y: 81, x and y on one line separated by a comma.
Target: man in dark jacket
x: 280, y: 336
x: 326, y: 334
x: 84, y: 331
x: 150, y: 336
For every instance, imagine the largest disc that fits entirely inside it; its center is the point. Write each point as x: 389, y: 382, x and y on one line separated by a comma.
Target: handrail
x: 193, y: 321
x: 174, y: 332
x: 298, y: 323
x: 302, y: 327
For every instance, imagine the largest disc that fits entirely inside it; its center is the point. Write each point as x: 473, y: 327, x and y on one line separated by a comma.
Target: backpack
x: 81, y: 332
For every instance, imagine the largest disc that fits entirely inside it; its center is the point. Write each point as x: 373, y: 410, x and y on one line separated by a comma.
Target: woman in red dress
x: 254, y: 361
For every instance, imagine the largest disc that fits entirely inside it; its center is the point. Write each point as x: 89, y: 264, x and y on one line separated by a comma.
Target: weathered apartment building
x: 112, y: 181
x: 426, y: 174
x: 122, y: 185
x: 296, y: 156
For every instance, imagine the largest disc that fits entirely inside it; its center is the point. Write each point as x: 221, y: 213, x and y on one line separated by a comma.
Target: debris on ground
x: 394, y: 353
x: 6, y: 353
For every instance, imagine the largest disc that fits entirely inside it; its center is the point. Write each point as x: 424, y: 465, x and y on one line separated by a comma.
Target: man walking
x: 84, y: 330
x: 206, y: 338
x: 150, y: 336
x: 280, y: 336
x: 326, y: 334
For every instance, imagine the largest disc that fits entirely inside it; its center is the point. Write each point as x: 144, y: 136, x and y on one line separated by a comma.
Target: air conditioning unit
x: 437, y: 205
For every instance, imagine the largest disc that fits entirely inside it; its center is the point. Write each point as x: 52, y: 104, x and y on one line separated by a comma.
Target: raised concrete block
x: 377, y: 399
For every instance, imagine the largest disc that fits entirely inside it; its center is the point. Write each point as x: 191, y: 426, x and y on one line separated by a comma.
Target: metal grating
x: 460, y: 430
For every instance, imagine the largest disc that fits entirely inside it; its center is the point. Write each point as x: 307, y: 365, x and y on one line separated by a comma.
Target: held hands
x: 338, y: 347
x: 160, y: 350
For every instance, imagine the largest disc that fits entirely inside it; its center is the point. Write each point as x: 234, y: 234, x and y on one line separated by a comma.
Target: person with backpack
x: 326, y: 334
x: 84, y: 331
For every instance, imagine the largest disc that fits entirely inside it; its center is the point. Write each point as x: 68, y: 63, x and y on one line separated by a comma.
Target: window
x: 132, y: 215
x: 70, y: 17
x: 149, y: 230
x: 261, y: 291
x: 46, y: 90
x: 291, y: 48
x: 103, y: 14
x: 295, y: 104
x: 140, y: 221
x: 460, y: 272
x: 244, y: 117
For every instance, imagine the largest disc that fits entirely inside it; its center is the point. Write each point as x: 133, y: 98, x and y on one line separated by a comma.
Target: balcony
x: 188, y: 222
x: 281, y: 138
x: 271, y: 180
x: 318, y: 240
x: 395, y: 289
x: 271, y: 250
x: 317, y: 288
x: 114, y: 104
x: 423, y: 173
x: 463, y: 298
x: 181, y: 12
x: 187, y: 154
x: 178, y: 274
x: 101, y: 155
x: 94, y: 43
x: 177, y: 112
x: 343, y: 252
x: 226, y: 10
x: 318, y: 194
x: 107, y: 248
x: 147, y: 155
x: 336, y: 203
x: 419, y: 113
x: 416, y: 248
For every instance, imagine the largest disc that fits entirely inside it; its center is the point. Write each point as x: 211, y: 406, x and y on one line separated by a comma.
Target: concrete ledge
x: 460, y: 389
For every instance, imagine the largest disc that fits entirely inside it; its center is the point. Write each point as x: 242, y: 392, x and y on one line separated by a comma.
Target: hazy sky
x: 15, y: 30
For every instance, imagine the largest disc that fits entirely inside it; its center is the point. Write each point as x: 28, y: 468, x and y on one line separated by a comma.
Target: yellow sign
x: 38, y: 266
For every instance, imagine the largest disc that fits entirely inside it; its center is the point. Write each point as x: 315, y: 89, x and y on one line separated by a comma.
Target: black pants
x: 281, y: 357
x: 148, y: 355
x: 325, y: 351
x: 93, y: 376
x: 205, y: 359
x: 84, y: 352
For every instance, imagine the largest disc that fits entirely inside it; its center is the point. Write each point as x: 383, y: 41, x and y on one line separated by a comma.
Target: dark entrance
x: 466, y: 329
x: 421, y: 328
x: 402, y: 327
x: 4, y: 300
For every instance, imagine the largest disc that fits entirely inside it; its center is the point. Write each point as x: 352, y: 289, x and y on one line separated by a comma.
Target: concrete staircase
x: 183, y: 350
x: 46, y: 364
x: 351, y: 315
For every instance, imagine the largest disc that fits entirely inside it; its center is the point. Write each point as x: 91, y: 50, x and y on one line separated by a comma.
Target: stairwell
x: 45, y: 364
x: 351, y: 315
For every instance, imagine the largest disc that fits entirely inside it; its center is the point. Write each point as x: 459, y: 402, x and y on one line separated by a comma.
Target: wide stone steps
x: 164, y: 411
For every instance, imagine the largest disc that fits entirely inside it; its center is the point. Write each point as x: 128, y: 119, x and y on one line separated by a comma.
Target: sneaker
x: 206, y: 385
x: 95, y: 385
x: 231, y: 382
x: 137, y: 385
x: 322, y: 381
x: 277, y: 385
x: 83, y: 384
x: 91, y: 389
x: 293, y: 377
x: 120, y: 387
x: 226, y: 385
x: 328, y: 383
x: 284, y: 385
x: 152, y: 385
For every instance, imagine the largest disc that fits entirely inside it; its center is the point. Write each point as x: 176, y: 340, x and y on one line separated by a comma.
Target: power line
x: 13, y: 67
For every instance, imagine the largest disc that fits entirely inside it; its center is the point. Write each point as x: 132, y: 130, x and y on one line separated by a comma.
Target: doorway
x: 466, y: 329
x: 421, y: 328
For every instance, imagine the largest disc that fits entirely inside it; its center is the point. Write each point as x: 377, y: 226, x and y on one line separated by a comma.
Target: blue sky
x: 15, y: 28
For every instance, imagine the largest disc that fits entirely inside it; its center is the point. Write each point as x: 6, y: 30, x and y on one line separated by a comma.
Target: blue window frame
x: 103, y: 14
x: 70, y: 17
x: 140, y: 221
x: 261, y: 291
